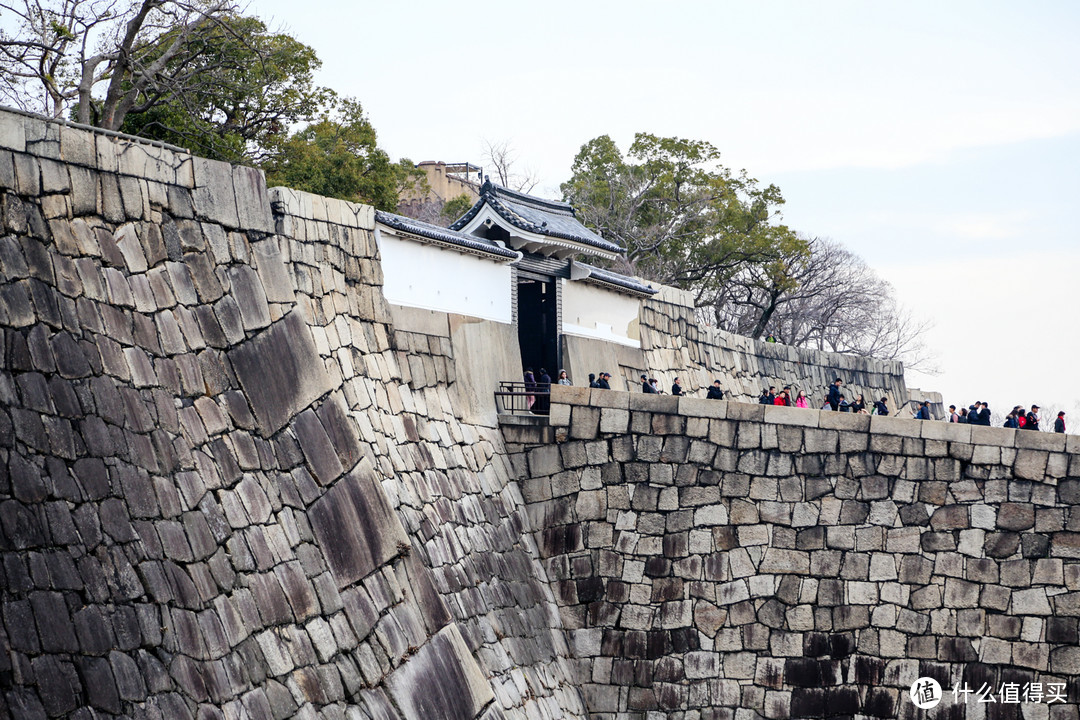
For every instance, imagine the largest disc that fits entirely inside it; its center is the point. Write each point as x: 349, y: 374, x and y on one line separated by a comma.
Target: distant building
x: 446, y: 181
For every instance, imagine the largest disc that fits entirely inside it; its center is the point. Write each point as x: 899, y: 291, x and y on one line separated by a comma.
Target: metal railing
x: 520, y: 398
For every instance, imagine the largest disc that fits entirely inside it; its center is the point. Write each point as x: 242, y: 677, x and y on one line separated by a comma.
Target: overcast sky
x: 940, y: 141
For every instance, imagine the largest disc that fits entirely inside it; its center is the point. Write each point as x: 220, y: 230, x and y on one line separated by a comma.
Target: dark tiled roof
x: 536, y: 215
x: 599, y: 276
x: 444, y: 235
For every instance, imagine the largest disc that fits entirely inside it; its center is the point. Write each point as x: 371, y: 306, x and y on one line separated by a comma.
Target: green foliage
x: 456, y: 207
x: 684, y: 219
x: 337, y: 156
x: 235, y: 94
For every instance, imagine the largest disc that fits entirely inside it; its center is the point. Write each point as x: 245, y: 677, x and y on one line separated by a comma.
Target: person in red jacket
x: 784, y: 398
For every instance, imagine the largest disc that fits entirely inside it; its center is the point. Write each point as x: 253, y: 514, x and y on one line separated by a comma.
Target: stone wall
x: 229, y: 488
x: 729, y: 560
x: 677, y: 345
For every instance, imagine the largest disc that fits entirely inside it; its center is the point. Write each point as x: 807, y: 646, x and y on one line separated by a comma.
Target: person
x: 834, y: 394
x: 530, y: 388
x: 563, y: 380
x: 646, y: 386
x: 676, y: 387
x: 842, y: 405
x: 1010, y: 420
x: 1059, y: 424
x: 963, y: 417
x: 881, y: 407
x: 1033, y: 419
x: 715, y: 393
x: 924, y: 411
x: 953, y: 417
x: 603, y: 383
x: 768, y: 398
x: 543, y: 393
x: 801, y: 401
x: 771, y: 338
x: 1021, y: 416
x: 784, y: 398
x: 984, y: 414
x: 859, y: 405
x: 592, y: 381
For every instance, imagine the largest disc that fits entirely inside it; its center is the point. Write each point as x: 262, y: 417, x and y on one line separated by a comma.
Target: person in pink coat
x: 801, y: 401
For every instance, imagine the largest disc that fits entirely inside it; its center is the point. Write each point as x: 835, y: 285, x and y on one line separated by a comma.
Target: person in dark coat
x: 543, y: 393
x: 1059, y: 424
x: 768, y: 398
x: 924, y: 411
x: 603, y: 383
x: 646, y: 386
x: 676, y: 387
x: 834, y: 394
x: 881, y: 407
x: 715, y: 393
x: 984, y: 415
x: 592, y: 381
x: 1033, y: 419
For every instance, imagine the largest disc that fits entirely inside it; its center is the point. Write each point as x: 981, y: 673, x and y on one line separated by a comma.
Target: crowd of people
x: 1018, y: 418
x: 977, y: 414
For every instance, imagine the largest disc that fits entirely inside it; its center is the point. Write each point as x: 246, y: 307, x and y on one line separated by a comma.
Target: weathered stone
x: 356, y: 528
x: 441, y: 681
x: 280, y: 371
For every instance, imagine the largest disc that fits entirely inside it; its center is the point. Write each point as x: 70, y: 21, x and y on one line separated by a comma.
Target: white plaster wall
x: 426, y: 276
x: 590, y: 311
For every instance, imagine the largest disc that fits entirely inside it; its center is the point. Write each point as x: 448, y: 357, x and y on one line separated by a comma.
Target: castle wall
x: 237, y: 482
x: 734, y: 560
x: 229, y: 486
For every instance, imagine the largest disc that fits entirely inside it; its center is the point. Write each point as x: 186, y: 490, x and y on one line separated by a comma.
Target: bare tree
x: 104, y: 57
x: 502, y: 159
x: 830, y: 299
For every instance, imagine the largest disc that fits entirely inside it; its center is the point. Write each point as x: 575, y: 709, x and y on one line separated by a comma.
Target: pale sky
x: 940, y: 141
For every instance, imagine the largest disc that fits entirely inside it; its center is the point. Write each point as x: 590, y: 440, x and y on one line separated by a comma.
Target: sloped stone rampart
x: 719, y: 560
x: 228, y: 487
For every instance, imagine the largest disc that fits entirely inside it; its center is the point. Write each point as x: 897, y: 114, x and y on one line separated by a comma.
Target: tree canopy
x: 238, y: 96
x: 338, y: 156
x: 688, y: 221
x: 684, y: 218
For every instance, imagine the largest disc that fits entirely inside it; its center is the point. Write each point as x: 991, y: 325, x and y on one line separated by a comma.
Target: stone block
x: 252, y: 199
x: 1030, y: 464
x: 1034, y: 440
x: 247, y: 291
x: 827, y: 419
x: 747, y: 412
x: 952, y: 432
x: 901, y: 427
x: 781, y: 415
x: 356, y: 528
x: 440, y: 681
x: 12, y: 132
x: 999, y: 437
x: 281, y: 372
x: 701, y: 407
x: 213, y: 196
x: 654, y: 403
x: 570, y: 395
